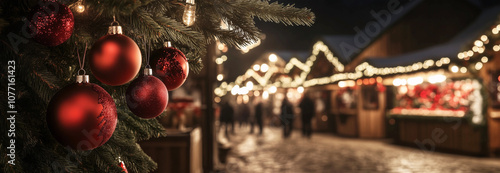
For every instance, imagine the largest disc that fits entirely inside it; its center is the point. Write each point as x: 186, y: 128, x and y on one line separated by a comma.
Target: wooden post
x: 208, y: 119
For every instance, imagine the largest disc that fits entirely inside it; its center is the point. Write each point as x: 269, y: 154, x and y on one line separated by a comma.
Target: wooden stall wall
x: 346, y: 120
x: 489, y: 69
x: 371, y: 122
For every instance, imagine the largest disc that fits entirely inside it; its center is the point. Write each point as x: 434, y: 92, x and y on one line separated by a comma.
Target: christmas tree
x: 39, y: 70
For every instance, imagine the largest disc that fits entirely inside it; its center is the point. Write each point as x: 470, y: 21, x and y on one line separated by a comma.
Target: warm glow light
x: 256, y: 67
x: 300, y: 89
x: 484, y: 59
x: 249, y: 85
x: 256, y: 93
x: 463, y: 69
x: 484, y: 38
x: 478, y: 66
x: 220, y: 77
x: 224, y: 58
x: 243, y: 91
x: 217, y: 99
x: 264, y: 68
x: 415, y: 80
x: 496, y: 48
x: 79, y: 7
x: 454, y: 69
x: 478, y: 43
x: 273, y: 89
x: 246, y: 99
x: 265, y: 95
x: 219, y: 61
x: 235, y: 90
x: 189, y: 15
x: 396, y: 82
x: 273, y: 58
x: 342, y: 84
x: 436, y: 78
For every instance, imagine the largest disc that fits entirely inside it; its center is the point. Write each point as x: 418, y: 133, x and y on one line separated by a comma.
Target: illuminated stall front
x: 443, y: 97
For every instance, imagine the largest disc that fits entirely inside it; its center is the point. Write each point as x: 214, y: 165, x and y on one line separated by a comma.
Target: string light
x: 463, y: 70
x: 478, y: 66
x: 264, y: 68
x: 249, y: 85
x: 79, y: 7
x: 300, y: 89
x: 273, y: 58
x: 256, y: 67
x: 189, y: 15
x: 454, y: 69
x: 220, y: 77
x: 484, y: 59
x: 219, y: 61
x: 273, y: 89
x: 265, y: 95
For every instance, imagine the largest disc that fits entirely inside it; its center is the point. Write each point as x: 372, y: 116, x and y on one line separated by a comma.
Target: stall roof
x: 450, y: 49
x: 334, y: 41
x: 287, y: 55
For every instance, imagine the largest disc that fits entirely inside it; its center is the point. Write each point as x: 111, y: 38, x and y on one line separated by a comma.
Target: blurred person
x: 227, y: 117
x: 258, y: 116
x: 287, y: 117
x: 307, y: 110
x: 244, y: 112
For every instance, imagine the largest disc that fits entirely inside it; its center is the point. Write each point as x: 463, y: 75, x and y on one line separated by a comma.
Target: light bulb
x: 189, y: 13
x: 79, y: 7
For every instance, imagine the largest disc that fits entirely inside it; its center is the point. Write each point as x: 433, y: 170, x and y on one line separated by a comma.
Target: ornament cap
x: 115, y: 30
x: 148, y: 71
x: 82, y: 78
x: 167, y: 44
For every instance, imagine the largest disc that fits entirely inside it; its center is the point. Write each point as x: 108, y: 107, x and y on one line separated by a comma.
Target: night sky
x: 333, y: 17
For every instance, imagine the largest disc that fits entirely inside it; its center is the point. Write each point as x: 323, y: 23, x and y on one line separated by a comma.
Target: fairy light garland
x: 365, y: 69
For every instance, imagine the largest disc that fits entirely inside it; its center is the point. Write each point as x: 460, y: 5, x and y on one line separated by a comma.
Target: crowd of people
x: 252, y: 114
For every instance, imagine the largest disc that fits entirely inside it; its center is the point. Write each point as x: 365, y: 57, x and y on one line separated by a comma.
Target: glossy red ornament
x: 51, y: 23
x: 147, y: 96
x: 82, y: 116
x: 171, y: 66
x: 115, y: 59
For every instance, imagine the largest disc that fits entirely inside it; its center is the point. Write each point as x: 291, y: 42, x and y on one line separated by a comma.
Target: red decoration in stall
x: 82, y: 116
x: 51, y: 23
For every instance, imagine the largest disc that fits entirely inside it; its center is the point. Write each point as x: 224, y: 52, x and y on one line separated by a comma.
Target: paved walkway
x: 327, y: 153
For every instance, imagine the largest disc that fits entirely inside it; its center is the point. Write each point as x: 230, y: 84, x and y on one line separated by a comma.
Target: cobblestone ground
x: 328, y: 153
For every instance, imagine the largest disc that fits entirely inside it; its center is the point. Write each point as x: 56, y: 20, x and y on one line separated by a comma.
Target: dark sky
x: 333, y: 17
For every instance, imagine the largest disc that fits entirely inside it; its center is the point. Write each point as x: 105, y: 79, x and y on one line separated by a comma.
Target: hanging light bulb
x: 189, y: 13
x: 79, y: 7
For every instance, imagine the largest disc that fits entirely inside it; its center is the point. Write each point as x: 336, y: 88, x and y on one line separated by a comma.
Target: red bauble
x: 147, y: 96
x: 51, y: 23
x: 171, y: 66
x: 115, y: 59
x: 82, y: 116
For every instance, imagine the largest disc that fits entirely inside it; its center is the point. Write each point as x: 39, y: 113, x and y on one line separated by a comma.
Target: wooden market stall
x: 445, y: 95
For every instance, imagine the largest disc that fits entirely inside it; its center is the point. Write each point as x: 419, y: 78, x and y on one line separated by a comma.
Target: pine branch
x: 276, y: 12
